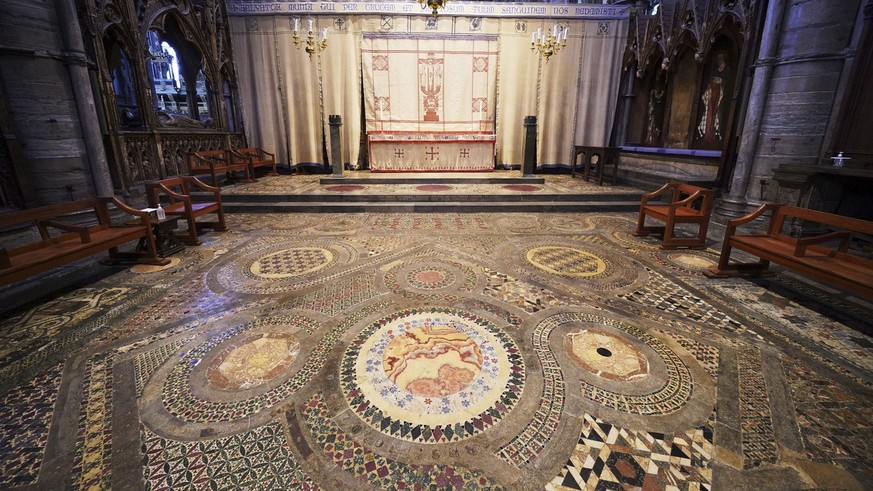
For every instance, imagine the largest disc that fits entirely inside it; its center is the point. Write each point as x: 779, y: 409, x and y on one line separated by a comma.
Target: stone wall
x: 42, y: 107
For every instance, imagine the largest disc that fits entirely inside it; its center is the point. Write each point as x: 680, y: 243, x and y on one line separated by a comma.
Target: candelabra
x: 310, y: 46
x: 549, y: 43
x: 433, y: 5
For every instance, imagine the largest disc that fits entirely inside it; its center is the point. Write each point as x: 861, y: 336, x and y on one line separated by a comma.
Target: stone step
x: 431, y: 198
x: 432, y: 207
x: 400, y: 179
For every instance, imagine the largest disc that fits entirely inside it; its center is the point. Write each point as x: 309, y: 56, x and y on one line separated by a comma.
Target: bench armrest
x: 202, y: 185
x: 733, y: 224
x: 43, y: 225
x: 657, y: 192
x: 844, y: 236
x: 121, y: 205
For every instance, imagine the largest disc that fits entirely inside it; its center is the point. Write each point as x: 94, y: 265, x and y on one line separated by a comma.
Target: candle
x: 532, y: 37
x: 310, y: 25
x: 295, y: 24
x: 323, y: 33
x: 555, y: 31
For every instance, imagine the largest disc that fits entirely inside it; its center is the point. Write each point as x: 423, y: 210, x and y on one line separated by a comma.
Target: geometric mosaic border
x: 379, y: 471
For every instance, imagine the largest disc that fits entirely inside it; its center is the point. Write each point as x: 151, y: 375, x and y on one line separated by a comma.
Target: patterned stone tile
x: 836, y: 423
x: 146, y: 363
x: 439, y: 223
x: 756, y: 424
x: 378, y: 471
x: 25, y: 416
x: 825, y: 328
x: 611, y: 457
x: 256, y: 459
x: 37, y: 326
x: 338, y: 296
x: 536, y: 434
x: 706, y: 354
x: 663, y: 294
x: 92, y: 467
x: 514, y: 292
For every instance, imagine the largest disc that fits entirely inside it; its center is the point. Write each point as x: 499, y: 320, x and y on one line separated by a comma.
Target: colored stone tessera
x: 434, y: 352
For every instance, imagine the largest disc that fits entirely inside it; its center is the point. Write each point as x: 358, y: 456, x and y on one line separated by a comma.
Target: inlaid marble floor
x: 431, y: 352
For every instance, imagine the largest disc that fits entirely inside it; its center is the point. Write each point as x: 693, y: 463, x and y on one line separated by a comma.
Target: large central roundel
x: 432, y: 375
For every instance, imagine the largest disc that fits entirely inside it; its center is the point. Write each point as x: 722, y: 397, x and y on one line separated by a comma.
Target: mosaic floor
x: 431, y: 352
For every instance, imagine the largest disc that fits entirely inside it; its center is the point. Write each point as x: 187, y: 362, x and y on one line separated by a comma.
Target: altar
x: 431, y: 152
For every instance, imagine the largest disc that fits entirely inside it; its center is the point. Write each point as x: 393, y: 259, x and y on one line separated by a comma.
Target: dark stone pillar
x: 77, y: 65
x: 336, y: 149
x: 530, y: 146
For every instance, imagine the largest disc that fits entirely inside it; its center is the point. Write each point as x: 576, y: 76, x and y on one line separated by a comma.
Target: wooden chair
x: 257, y: 157
x: 688, y: 204
x: 182, y: 203
x: 214, y: 162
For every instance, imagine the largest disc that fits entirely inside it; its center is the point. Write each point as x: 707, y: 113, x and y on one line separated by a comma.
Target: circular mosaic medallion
x: 288, y: 263
x: 430, y: 278
x: 566, y: 261
x: 606, y: 355
x: 151, y: 268
x: 254, y: 361
x: 432, y: 375
x: 690, y: 261
x: 338, y: 224
x: 241, y: 368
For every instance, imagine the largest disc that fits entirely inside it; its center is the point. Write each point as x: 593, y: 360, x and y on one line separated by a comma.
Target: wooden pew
x: 834, y: 264
x: 180, y: 202
x: 257, y: 157
x: 688, y: 204
x: 214, y: 162
x: 75, y: 241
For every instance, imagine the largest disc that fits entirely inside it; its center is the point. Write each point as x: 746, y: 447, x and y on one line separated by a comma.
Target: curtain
x: 558, y: 100
x: 255, y: 57
x: 518, y: 76
x: 341, y: 83
x: 279, y: 89
x: 602, y: 51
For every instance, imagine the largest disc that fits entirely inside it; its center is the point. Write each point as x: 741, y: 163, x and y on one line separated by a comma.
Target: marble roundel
x: 432, y: 375
x: 430, y: 278
x: 566, y: 261
x: 291, y: 262
x: 606, y: 355
x: 254, y: 361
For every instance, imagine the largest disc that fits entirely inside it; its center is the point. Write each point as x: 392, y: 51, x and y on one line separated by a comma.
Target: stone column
x: 77, y: 66
x: 530, y: 146
x: 734, y: 204
x: 336, y: 149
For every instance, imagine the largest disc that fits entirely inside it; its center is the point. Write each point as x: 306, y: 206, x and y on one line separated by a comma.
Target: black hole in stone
x: 604, y: 352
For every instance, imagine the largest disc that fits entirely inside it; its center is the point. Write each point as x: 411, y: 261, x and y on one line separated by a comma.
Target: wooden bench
x: 688, y: 204
x: 181, y: 203
x: 257, y: 157
x: 74, y: 241
x: 214, y: 162
x: 832, y: 263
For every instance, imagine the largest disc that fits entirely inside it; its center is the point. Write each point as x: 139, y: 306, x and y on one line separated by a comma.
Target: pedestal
x: 336, y: 153
x: 530, y: 146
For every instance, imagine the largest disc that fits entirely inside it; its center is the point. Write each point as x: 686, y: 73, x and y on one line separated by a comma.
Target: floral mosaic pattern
x: 26, y: 414
x: 257, y: 459
x: 382, y: 472
x: 432, y: 375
